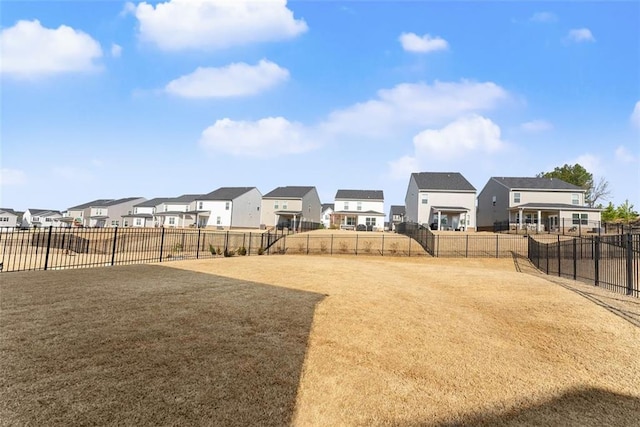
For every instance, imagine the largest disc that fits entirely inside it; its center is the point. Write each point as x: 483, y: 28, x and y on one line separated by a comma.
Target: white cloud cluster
x: 544, y: 17
x: 237, y: 79
x: 267, y: 137
x: 414, y: 105
x: 116, y: 50
x: 12, y: 177
x: 635, y: 115
x: 412, y: 42
x: 536, y: 126
x: 31, y: 50
x: 580, y: 35
x: 624, y: 155
x: 215, y: 24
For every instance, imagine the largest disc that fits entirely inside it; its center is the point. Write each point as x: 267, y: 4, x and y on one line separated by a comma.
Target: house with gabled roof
x: 289, y: 206
x: 396, y: 216
x: 10, y: 219
x: 535, y: 203
x: 441, y: 201
x: 103, y: 212
x: 38, y: 218
x: 326, y: 214
x: 355, y: 208
x: 143, y: 214
x: 178, y: 211
x: 230, y: 207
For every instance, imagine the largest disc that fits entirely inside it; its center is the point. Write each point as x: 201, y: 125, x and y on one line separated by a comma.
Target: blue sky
x: 107, y: 99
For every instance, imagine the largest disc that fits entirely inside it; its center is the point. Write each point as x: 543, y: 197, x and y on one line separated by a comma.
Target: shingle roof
x: 42, y: 212
x: 151, y: 203
x: 535, y: 183
x: 94, y: 203
x: 226, y: 193
x: 326, y: 206
x: 185, y: 198
x: 120, y: 201
x: 7, y: 210
x: 360, y: 195
x: 288, y: 192
x: 451, y: 181
x: 398, y: 210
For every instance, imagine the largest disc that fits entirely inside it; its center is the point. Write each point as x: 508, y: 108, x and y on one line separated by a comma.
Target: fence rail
x: 563, y: 226
x: 611, y: 262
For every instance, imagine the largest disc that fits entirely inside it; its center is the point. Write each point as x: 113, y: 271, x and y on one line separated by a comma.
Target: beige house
x: 288, y: 206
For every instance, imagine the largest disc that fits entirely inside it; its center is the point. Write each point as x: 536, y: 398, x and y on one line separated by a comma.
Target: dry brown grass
x: 316, y: 341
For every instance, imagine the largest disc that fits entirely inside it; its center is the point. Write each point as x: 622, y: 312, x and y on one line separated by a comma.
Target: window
x: 575, y: 199
x: 284, y: 204
x: 48, y: 219
x: 4, y: 219
x: 493, y: 200
x: 226, y: 205
x: 276, y: 204
x: 35, y: 219
x: 138, y: 221
x: 346, y: 206
x: 172, y: 220
x: 359, y: 206
x: 126, y: 223
x: 114, y: 223
x: 186, y: 208
x: 135, y: 210
x: 516, y: 197
x: 165, y: 208
x: 580, y: 219
x: 425, y: 199
x: 370, y: 221
x: 350, y: 220
x: 218, y: 220
x: 199, y: 205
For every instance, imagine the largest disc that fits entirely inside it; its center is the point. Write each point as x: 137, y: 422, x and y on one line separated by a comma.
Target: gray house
x: 288, y: 206
x: 441, y: 200
x: 143, y: 214
x: 10, y: 219
x: 104, y: 212
x: 534, y: 203
x: 396, y: 216
x: 230, y: 207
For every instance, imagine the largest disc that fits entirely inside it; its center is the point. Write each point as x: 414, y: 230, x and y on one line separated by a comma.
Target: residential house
x: 289, y: 206
x: 38, y: 218
x: 103, y: 212
x: 230, y: 207
x: 9, y: 219
x: 359, y: 207
x: 396, y: 216
x: 143, y: 214
x: 326, y: 214
x: 441, y: 200
x: 178, y: 211
x: 534, y: 203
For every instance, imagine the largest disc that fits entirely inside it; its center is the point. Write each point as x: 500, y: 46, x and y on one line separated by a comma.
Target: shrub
x: 367, y: 246
x: 242, y: 250
x: 394, y: 248
x: 323, y: 246
x: 260, y: 250
x: 343, y: 247
x: 212, y: 249
x: 229, y: 253
x: 219, y: 251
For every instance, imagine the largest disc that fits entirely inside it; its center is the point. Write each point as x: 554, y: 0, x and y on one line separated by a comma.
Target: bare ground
x: 308, y: 340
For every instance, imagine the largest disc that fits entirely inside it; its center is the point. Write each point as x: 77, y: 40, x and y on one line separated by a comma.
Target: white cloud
x: 624, y: 155
x: 238, y: 79
x: 29, y: 50
x: 412, y: 42
x: 116, y: 50
x: 544, y: 17
x: 459, y: 138
x: 635, y: 116
x: 12, y: 177
x: 414, y: 105
x: 267, y: 137
x: 590, y: 162
x: 580, y: 35
x: 537, y: 126
x: 403, y: 167
x: 215, y: 24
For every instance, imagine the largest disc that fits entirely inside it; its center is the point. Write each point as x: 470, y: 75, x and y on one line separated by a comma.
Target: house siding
x: 488, y: 213
x: 411, y: 201
x: 446, y: 198
x: 246, y: 209
x: 311, y: 207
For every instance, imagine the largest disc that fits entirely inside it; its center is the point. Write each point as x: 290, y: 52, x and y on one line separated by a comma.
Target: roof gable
x: 99, y: 203
x: 121, y: 201
x: 326, y: 206
x: 151, y: 203
x: 398, y: 210
x: 536, y: 183
x: 360, y: 195
x: 443, y: 181
x: 288, y: 192
x: 226, y: 193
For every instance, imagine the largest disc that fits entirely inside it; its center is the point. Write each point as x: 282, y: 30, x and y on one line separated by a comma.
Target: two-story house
x: 396, y: 216
x: 441, y: 201
x: 535, y: 203
x: 355, y: 208
x: 143, y: 214
x: 9, y: 219
x: 178, y: 211
x: 37, y: 218
x: 103, y: 212
x: 290, y: 205
x: 230, y: 207
x: 326, y: 214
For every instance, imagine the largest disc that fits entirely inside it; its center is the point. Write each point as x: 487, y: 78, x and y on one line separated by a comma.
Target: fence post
x: 46, y: 257
x: 356, y: 243
x: 596, y: 257
x: 497, y: 244
x: 113, y: 249
x: 249, y: 248
x: 198, y: 246
x: 575, y: 259
x: 331, y: 248
x: 382, y: 250
x: 409, y: 245
x: 161, y: 243
x: 629, y: 244
x: 466, y: 249
x: 559, y: 259
x: 226, y: 243
x: 307, y: 244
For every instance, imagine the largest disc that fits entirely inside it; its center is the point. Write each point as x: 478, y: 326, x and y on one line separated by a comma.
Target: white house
x: 230, y: 207
x: 38, y: 218
x: 327, y: 214
x: 103, y: 212
x: 535, y: 203
x: 396, y: 216
x: 9, y: 219
x: 359, y: 207
x: 177, y: 212
x: 143, y: 214
x: 441, y: 200
x: 290, y: 205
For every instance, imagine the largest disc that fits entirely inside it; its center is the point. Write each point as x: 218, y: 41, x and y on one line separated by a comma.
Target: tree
x: 626, y: 212
x: 578, y: 175
x: 609, y: 214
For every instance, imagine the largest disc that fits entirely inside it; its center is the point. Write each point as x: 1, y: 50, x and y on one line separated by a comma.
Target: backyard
x: 316, y: 340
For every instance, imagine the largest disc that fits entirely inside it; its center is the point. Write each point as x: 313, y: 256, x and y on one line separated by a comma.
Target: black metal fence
x: 58, y: 248
x: 611, y: 262
x: 564, y: 226
x: 481, y: 245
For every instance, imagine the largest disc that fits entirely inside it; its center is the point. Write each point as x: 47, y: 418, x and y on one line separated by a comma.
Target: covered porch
x: 554, y: 218
x: 449, y: 218
x: 288, y: 219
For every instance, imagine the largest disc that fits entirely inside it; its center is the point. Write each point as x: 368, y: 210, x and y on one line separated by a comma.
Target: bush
x: 323, y: 246
x: 212, y: 249
x: 229, y: 253
x: 260, y: 250
x: 242, y: 251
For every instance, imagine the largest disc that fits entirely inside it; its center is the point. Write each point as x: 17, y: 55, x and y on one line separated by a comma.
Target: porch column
x: 294, y: 223
x: 539, y: 220
x: 520, y: 219
x: 439, y: 219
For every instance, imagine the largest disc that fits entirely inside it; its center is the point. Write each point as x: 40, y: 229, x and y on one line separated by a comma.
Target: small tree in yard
x: 626, y: 213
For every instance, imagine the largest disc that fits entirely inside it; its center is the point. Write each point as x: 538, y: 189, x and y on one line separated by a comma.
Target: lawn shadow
x: 578, y: 407
x: 150, y: 345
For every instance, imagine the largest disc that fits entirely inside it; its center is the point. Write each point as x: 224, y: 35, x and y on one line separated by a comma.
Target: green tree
x: 626, y: 213
x: 578, y: 175
x: 610, y: 213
